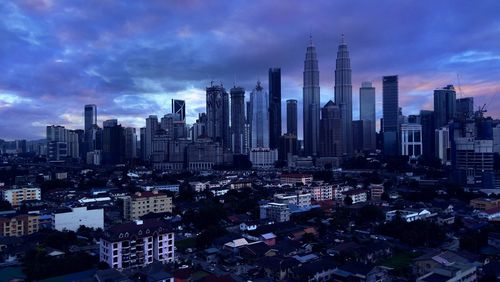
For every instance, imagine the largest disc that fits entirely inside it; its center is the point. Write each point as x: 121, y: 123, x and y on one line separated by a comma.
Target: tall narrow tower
x: 274, y: 107
x: 343, y: 95
x: 237, y: 119
x: 311, y: 102
x: 218, y: 115
x: 259, y: 102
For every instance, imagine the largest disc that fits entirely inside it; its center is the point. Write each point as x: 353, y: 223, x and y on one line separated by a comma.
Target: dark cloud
x: 131, y: 57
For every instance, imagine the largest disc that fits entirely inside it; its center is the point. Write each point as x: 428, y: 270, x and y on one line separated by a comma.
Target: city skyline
x: 52, y: 68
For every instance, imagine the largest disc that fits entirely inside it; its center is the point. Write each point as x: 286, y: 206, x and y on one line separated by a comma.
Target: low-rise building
x: 297, y: 199
x: 263, y: 157
x: 137, y: 244
x: 357, y: 196
x: 142, y: 203
x: 72, y: 219
x: 16, y: 194
x: 294, y: 178
x: 407, y: 215
x: 376, y: 191
x: 484, y: 203
x: 276, y: 212
x: 321, y: 192
x: 13, y: 224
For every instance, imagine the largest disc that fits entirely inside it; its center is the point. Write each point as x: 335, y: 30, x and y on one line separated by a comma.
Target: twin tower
x: 311, y: 101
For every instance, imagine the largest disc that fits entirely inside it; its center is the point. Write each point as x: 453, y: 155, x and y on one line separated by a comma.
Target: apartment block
x: 16, y: 195
x: 142, y: 203
x: 16, y: 225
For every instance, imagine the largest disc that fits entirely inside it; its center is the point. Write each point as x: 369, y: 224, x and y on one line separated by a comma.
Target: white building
x: 407, y: 215
x: 411, y: 140
x: 322, y: 192
x: 442, y: 145
x: 72, y: 219
x: 276, y: 212
x: 137, y: 244
x: 263, y: 157
x: 297, y: 199
x: 357, y: 196
x: 16, y: 195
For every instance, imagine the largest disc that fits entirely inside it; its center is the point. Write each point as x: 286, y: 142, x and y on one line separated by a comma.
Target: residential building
x: 276, y: 212
x: 407, y: 215
x: 376, y: 191
x: 142, y: 203
x: 484, y: 203
x: 321, y: 192
x: 296, y: 199
x: 16, y: 225
x: 356, y: 195
x: 136, y: 244
x: 17, y: 194
x: 442, y: 145
x: 294, y: 178
x: 72, y: 218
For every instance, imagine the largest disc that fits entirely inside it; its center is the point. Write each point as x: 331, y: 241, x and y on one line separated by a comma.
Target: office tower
x: 442, y: 144
x: 311, y: 102
x: 113, y: 142
x: 174, y: 126
x: 288, y: 147
x: 444, y: 105
x: 151, y: 128
x: 90, y: 120
x: 411, y: 140
x: 390, y: 111
x: 199, y: 129
x: 358, y: 135
x: 218, y: 115
x: 238, y: 119
x: 130, y: 143
x: 291, y: 117
x: 57, y: 145
x: 259, y: 104
x: 343, y: 95
x: 274, y: 107
x: 179, y: 123
x: 367, y: 115
x: 464, y: 108
x: 179, y: 108
x: 428, y: 144
x: 331, y: 131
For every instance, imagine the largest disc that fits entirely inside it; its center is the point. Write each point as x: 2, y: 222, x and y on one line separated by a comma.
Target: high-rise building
x: 390, y: 111
x: 90, y: 120
x: 331, y: 131
x: 291, y: 117
x: 311, y: 102
x: 428, y: 144
x: 179, y: 107
x: 218, y: 115
x: 358, y: 135
x: 411, y: 140
x: 151, y: 128
x: 343, y: 95
x: 259, y: 102
x: 274, y: 107
x: 238, y: 120
x: 464, y: 108
x: 288, y: 147
x: 444, y: 105
x: 130, y: 143
x: 367, y: 115
x: 113, y: 142
x: 200, y: 127
x: 442, y: 144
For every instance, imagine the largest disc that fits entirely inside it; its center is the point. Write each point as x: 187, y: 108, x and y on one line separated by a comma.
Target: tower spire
x: 310, y: 39
x: 342, y: 39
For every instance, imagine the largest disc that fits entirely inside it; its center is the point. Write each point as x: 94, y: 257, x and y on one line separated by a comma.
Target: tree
x: 5, y: 205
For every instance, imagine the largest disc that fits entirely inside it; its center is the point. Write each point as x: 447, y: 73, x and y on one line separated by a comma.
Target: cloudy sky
x: 131, y: 57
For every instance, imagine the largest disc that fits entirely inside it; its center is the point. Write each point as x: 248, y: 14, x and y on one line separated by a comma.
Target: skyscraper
x: 331, y: 131
x: 311, y: 102
x: 291, y: 117
x: 179, y: 107
x: 464, y: 108
x: 237, y: 119
x: 151, y: 128
x: 343, y: 95
x: 427, y: 122
x: 367, y: 115
x: 390, y: 111
x: 274, y: 107
x: 444, y: 105
x: 130, y: 143
x: 218, y: 115
x: 259, y: 102
x: 113, y: 142
x: 90, y: 119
